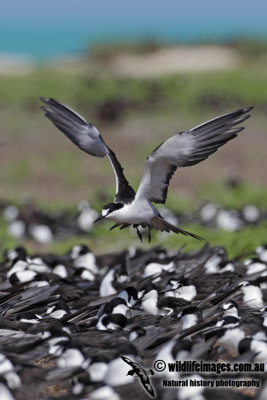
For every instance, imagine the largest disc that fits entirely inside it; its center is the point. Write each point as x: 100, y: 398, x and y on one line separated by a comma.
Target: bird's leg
x: 149, y: 234
x: 139, y: 234
x: 114, y: 226
x: 124, y: 226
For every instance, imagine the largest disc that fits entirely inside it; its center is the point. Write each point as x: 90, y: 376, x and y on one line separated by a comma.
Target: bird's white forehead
x: 105, y: 211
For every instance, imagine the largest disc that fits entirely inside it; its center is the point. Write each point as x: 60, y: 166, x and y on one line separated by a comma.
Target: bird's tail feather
x: 165, y: 226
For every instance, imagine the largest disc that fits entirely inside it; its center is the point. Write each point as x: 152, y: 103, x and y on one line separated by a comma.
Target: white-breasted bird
x: 183, y: 149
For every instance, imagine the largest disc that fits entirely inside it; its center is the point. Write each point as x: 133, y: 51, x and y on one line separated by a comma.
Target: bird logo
x: 140, y: 373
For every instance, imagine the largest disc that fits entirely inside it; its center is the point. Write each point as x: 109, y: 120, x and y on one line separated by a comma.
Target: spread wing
x: 75, y: 127
x: 184, y: 149
x: 134, y: 365
x: 148, y: 388
x: 87, y: 138
x: 124, y: 192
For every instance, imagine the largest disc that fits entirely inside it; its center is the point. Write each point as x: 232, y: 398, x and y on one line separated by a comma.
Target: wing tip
x: 242, y: 111
x: 247, y: 109
x: 46, y: 100
x: 50, y: 102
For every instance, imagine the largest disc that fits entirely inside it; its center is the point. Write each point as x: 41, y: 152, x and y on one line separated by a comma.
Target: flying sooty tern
x: 183, y: 149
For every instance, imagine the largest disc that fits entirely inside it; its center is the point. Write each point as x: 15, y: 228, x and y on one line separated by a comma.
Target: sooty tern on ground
x: 183, y: 149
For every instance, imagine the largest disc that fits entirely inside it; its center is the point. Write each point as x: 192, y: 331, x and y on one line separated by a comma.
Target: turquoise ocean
x: 47, y: 41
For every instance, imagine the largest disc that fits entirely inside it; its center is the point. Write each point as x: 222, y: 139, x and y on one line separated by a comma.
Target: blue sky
x: 34, y: 10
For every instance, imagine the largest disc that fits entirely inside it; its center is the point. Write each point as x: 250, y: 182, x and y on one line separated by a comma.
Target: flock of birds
x: 67, y: 320
x: 27, y: 221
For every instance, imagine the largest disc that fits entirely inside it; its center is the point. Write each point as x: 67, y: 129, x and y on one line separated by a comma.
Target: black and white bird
x: 183, y: 149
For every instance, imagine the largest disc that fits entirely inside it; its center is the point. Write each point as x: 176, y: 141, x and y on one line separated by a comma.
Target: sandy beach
x: 165, y: 61
x: 15, y: 64
x: 179, y: 59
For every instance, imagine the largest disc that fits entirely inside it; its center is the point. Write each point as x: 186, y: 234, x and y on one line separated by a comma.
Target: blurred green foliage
x: 235, y: 197
x: 186, y: 91
x: 250, y: 48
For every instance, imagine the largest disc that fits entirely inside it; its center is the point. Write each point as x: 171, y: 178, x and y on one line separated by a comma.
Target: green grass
x: 6, y: 241
x: 242, y: 86
x: 19, y: 170
x: 252, y: 49
x: 240, y: 243
x: 236, y: 197
x: 66, y: 167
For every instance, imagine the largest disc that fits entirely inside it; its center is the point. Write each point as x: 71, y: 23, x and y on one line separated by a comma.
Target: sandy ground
x: 164, y: 61
x: 175, y: 60
x: 15, y: 64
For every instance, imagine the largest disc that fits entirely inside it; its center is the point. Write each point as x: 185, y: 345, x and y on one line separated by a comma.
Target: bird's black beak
x: 99, y: 218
